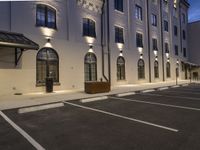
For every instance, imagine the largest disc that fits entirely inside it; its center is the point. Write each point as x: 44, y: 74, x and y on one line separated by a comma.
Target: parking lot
x: 164, y: 119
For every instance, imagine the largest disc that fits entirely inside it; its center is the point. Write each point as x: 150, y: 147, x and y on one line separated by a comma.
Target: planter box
x: 97, y: 87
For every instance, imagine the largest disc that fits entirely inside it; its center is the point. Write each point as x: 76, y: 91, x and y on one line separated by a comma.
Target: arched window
x: 120, y: 68
x: 141, y: 69
x: 168, y: 70
x: 156, y: 69
x: 90, y: 67
x: 47, y: 65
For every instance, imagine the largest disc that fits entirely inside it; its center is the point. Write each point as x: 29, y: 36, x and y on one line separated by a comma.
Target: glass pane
x: 41, y: 71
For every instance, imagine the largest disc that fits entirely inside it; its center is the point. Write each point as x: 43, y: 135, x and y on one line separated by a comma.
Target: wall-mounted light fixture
x: 121, y: 53
x: 141, y: 56
x: 167, y: 54
x: 140, y: 50
x: 91, y: 49
x: 48, y: 43
x: 120, y: 46
x: 156, y: 58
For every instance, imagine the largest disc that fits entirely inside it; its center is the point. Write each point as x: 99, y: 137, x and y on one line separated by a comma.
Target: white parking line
x: 123, y: 117
x: 39, y: 108
x: 159, y: 104
x: 125, y: 94
x: 147, y: 91
x: 181, y: 97
x: 22, y: 132
x: 163, y: 88
x: 93, y: 99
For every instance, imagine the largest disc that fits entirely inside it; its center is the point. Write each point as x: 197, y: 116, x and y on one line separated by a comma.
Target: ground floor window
x: 177, y: 70
x: 90, y: 67
x: 156, y: 69
x: 141, y: 69
x: 120, y: 68
x: 47, y: 65
x: 168, y: 70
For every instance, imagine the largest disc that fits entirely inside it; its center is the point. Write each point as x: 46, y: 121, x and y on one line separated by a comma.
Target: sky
x: 194, y: 11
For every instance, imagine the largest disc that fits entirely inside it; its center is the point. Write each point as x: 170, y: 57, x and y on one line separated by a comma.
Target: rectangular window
x: 176, y: 50
x: 184, y: 35
x: 138, y: 12
x: 175, y: 31
x: 139, y: 40
x: 89, y: 28
x: 155, y: 46
x: 119, y: 35
x: 166, y: 26
x: 183, y: 18
x: 166, y: 48
x: 153, y: 20
x: 119, y: 5
x: 184, y: 52
x: 45, y: 16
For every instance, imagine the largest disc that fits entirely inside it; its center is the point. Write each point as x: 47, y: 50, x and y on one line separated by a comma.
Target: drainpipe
x: 102, y: 44
x: 162, y: 40
x: 108, y: 41
x: 149, y: 46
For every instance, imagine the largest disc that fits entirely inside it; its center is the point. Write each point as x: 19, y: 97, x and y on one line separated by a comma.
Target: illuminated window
x: 138, y: 12
x: 119, y: 5
x: 141, y: 69
x: 156, y: 69
x: 89, y: 28
x: 47, y: 65
x: 90, y: 67
x: 45, y: 16
x: 168, y: 70
x: 119, y: 35
x: 120, y: 68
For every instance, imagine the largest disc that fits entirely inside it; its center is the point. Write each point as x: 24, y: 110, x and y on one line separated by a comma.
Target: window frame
x: 89, y: 28
x: 141, y: 70
x: 119, y: 34
x: 119, y: 5
x: 46, y: 9
x: 121, y: 69
x: 138, y: 12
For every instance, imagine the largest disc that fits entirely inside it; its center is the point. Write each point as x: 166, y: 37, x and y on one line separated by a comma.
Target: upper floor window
x: 119, y: 5
x: 176, y: 50
x: 175, y: 30
x: 166, y: 28
x: 153, y: 20
x: 139, y: 40
x: 183, y: 18
x: 89, y: 28
x: 166, y: 48
x: 184, y: 35
x: 45, y: 16
x: 138, y: 12
x: 155, y: 44
x: 119, y: 35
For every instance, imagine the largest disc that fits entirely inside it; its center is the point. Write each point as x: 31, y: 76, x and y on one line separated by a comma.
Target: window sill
x: 40, y: 26
x: 43, y: 84
x: 120, y: 12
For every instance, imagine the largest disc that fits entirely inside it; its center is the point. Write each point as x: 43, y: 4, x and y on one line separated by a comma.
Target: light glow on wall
x: 140, y: 49
x: 89, y: 40
x: 120, y: 46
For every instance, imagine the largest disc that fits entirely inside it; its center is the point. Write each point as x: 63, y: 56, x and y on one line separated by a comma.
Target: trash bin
x: 49, y: 85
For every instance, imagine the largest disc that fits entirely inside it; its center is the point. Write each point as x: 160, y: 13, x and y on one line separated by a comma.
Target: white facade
x: 68, y: 41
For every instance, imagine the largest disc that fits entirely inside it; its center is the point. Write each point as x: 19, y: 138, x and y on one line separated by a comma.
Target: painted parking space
x: 10, y: 139
x: 77, y: 128
x: 137, y: 121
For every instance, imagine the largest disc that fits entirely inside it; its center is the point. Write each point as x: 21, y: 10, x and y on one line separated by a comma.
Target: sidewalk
x: 30, y: 99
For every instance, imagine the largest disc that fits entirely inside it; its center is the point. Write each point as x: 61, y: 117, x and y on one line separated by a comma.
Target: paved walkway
x: 29, y: 99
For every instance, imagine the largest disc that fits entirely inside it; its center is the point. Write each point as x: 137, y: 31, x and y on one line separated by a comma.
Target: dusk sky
x: 194, y: 12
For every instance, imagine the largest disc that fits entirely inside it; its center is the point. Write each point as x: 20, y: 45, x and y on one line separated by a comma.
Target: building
x: 193, y: 44
x: 117, y: 41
